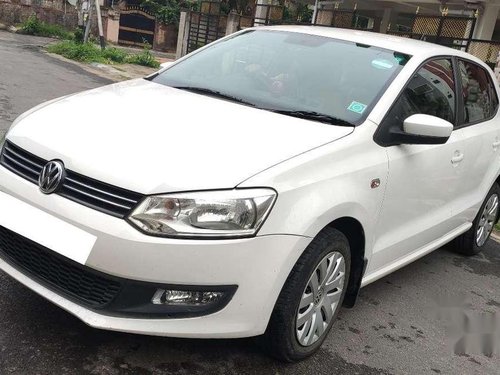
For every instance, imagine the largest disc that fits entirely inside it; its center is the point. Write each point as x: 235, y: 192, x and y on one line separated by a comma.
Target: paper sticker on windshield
x: 357, y: 107
x: 382, y: 64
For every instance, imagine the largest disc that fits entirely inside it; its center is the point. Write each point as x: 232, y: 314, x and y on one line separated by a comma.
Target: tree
x: 168, y: 11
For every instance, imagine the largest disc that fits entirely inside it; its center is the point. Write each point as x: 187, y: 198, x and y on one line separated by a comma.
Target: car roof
x: 395, y: 43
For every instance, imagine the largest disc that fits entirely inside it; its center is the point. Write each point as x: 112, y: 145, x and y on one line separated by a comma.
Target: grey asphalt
x: 397, y: 326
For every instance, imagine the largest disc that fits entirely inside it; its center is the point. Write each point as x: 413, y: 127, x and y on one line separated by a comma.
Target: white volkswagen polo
x: 252, y: 187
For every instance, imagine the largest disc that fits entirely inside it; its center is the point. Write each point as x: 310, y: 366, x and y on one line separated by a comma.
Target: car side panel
x: 328, y: 183
x: 422, y: 190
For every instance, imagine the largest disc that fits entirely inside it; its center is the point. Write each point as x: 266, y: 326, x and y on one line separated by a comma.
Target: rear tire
x: 305, y: 311
x: 473, y: 241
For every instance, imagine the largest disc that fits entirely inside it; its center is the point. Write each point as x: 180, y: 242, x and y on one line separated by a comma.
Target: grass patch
x: 115, y: 54
x: 144, y: 58
x: 90, y: 52
x: 33, y: 26
x: 85, y: 52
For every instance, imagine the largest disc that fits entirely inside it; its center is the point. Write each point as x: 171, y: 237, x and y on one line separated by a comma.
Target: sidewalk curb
x: 114, y: 73
x: 495, y: 235
x: 107, y: 71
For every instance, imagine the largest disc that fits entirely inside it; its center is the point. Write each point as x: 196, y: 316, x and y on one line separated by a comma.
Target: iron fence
x: 209, y: 24
x: 348, y: 19
x: 450, y: 31
x: 264, y: 14
x: 486, y: 50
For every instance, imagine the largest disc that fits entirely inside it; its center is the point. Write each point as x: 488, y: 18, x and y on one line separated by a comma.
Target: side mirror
x: 428, y: 126
x: 421, y: 129
x: 166, y: 64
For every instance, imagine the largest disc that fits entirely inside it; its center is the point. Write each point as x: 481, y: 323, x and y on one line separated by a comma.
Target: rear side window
x: 478, y: 91
x: 431, y: 91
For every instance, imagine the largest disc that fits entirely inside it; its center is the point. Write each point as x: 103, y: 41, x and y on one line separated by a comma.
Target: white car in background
x: 252, y: 187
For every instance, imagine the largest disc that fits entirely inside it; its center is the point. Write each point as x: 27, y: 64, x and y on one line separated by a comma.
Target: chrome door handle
x: 457, y: 158
x: 496, y: 144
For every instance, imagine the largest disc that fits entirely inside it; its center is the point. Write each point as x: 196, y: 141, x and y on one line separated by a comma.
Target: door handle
x: 457, y: 157
x: 496, y: 144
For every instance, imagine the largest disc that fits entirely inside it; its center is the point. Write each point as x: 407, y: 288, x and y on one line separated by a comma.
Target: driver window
x: 430, y: 91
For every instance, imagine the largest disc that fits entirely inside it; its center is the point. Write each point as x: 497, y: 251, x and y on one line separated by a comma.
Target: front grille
x: 62, y: 274
x: 98, y: 195
x: 21, y: 162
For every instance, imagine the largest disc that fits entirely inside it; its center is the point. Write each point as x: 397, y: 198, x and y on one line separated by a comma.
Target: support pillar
x: 113, y: 26
x: 182, y: 36
x: 386, y: 20
x: 233, y: 23
x: 485, y: 25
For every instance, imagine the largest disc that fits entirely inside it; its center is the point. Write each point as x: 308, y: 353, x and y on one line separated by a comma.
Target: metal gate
x: 205, y: 26
x: 209, y: 24
x: 137, y: 27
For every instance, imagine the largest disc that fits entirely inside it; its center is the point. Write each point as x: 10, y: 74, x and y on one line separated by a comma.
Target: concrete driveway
x: 398, y: 326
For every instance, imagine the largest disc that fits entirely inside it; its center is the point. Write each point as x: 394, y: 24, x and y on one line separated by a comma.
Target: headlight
x: 225, y: 213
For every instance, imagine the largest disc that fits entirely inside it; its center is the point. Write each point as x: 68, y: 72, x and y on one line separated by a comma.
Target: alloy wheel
x: 320, y: 299
x: 487, y: 220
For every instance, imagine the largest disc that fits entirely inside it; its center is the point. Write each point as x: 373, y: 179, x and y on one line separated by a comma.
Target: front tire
x: 311, y: 298
x: 473, y: 241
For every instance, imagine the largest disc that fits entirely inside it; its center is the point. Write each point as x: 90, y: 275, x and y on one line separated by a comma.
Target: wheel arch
x: 497, y: 181
x: 355, y: 234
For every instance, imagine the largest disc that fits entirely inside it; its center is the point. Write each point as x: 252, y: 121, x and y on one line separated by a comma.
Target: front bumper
x: 257, y: 266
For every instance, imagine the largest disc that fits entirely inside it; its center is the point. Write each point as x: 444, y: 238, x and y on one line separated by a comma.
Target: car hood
x: 151, y: 138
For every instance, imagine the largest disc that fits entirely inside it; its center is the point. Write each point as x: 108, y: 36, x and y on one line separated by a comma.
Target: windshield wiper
x: 315, y: 116
x: 215, y: 93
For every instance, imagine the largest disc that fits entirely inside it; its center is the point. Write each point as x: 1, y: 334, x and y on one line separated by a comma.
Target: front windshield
x: 290, y: 72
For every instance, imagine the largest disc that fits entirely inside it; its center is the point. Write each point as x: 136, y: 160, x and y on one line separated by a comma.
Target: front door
x: 424, y: 180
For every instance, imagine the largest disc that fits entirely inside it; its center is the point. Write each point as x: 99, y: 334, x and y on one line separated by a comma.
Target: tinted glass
x: 292, y: 71
x: 480, y: 98
x: 431, y: 91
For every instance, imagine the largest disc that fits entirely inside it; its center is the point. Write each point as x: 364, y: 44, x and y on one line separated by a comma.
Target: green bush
x: 79, y: 35
x: 86, y: 52
x: 169, y: 11
x: 33, y: 26
x: 90, y: 52
x: 114, y: 54
x: 144, y: 58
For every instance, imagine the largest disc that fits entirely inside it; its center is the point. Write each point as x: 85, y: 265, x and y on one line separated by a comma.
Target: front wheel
x: 472, y: 242
x: 311, y: 298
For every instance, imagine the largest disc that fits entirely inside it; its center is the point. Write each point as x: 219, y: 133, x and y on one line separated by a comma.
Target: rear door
x: 480, y: 124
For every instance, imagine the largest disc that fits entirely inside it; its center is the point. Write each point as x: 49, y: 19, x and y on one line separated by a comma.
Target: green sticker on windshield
x: 357, y: 107
x: 382, y: 64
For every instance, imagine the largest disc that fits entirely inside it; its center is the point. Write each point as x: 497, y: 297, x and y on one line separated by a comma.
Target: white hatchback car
x: 252, y: 187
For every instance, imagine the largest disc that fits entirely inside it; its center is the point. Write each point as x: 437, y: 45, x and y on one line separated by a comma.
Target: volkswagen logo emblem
x: 51, y: 177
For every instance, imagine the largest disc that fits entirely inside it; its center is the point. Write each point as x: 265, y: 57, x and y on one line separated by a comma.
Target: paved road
x: 28, y: 77
x: 394, y: 329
